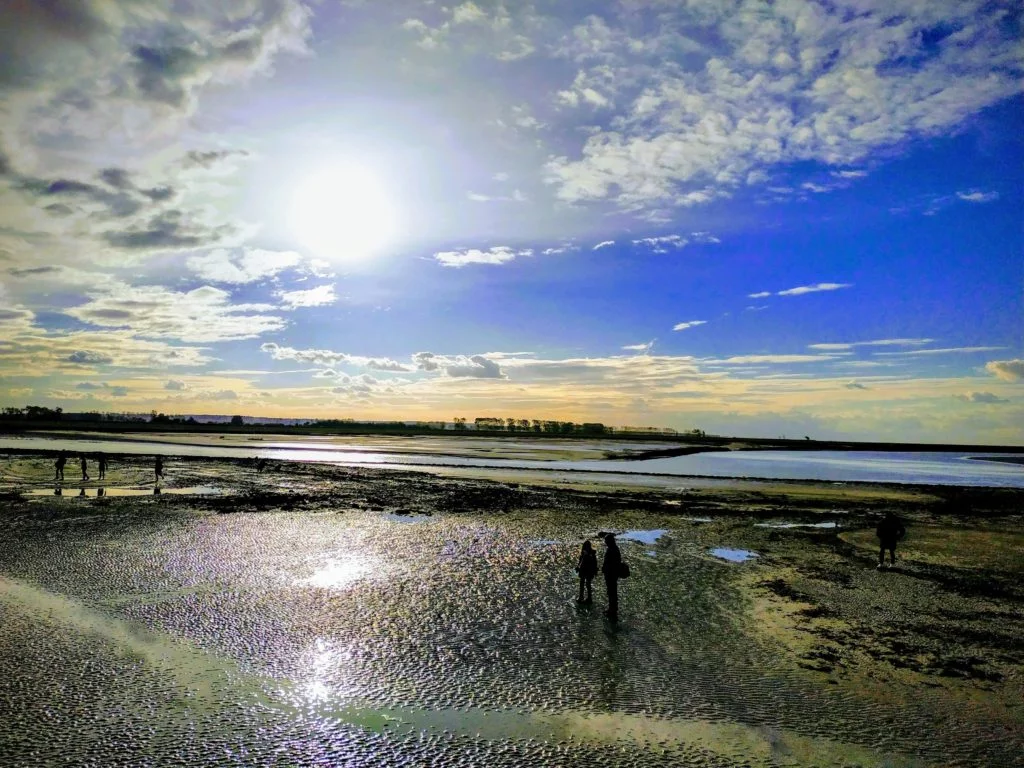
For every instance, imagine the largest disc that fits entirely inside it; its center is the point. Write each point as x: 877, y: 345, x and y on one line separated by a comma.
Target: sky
x: 796, y: 218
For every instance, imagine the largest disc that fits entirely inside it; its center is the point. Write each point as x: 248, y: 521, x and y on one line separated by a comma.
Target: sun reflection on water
x: 340, y: 572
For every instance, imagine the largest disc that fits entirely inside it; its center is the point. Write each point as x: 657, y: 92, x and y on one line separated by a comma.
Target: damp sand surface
x: 297, y: 618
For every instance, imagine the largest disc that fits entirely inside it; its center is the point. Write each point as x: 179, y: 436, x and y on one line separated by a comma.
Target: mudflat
x: 314, y: 614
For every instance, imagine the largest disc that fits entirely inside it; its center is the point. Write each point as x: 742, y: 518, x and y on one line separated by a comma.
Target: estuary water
x: 924, y: 467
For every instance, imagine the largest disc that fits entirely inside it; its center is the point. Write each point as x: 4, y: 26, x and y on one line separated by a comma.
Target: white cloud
x: 497, y: 255
x: 944, y: 351
x: 204, y: 314
x: 874, y: 343
x: 849, y: 174
x: 787, y: 82
x: 320, y: 296
x: 1007, y: 370
x: 603, y: 244
x: 759, y: 295
x: 771, y: 359
x: 461, y: 366
x: 977, y: 196
x: 640, y: 347
x: 663, y: 243
x: 688, y: 324
x: 242, y: 266
x: 817, y: 287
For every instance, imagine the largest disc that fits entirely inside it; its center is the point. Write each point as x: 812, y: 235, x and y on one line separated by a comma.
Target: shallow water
x: 347, y: 639
x: 733, y: 555
x: 940, y: 468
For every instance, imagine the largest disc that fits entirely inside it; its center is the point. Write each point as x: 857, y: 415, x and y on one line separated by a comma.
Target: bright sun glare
x: 343, y: 213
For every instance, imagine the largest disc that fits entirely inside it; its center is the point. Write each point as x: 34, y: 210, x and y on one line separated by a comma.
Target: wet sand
x: 356, y: 616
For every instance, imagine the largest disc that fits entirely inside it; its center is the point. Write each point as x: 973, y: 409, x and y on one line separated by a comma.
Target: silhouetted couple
x: 611, y: 568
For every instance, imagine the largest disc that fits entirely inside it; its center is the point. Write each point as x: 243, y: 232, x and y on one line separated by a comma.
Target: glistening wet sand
x: 321, y: 615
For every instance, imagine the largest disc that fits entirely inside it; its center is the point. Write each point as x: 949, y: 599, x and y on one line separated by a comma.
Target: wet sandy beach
x: 318, y: 615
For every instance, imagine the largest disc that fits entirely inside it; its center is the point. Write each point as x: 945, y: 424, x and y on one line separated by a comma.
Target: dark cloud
x: 196, y: 159
x: 161, y: 73
x: 30, y: 271
x: 174, y: 385
x: 159, y: 194
x: 119, y: 204
x: 85, y: 357
x: 118, y: 178
x: 14, y: 314
x: 166, y: 231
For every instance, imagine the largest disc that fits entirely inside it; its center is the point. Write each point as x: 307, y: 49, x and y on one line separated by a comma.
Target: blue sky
x: 801, y: 218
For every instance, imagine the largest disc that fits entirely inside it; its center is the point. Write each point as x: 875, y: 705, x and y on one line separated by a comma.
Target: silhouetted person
x: 101, y: 462
x: 611, y: 567
x: 587, y: 569
x: 889, y: 531
x: 59, y: 466
x: 261, y: 464
x: 158, y: 469
x: 85, y: 470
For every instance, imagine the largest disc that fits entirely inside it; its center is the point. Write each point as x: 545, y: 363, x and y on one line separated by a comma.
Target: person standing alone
x: 85, y: 469
x: 889, y: 531
x: 611, y: 568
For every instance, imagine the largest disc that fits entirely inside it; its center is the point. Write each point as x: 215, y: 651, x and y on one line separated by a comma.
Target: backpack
x: 623, y: 570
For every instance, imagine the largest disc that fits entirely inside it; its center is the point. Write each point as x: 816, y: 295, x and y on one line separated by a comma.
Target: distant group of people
x: 613, y: 568
x: 101, y: 466
x: 890, y: 531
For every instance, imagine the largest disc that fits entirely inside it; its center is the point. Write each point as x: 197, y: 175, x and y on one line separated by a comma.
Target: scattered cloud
x: 977, y: 196
x: 175, y: 385
x: 498, y: 255
x: 645, y: 348
x: 943, y: 351
x: 833, y: 347
x: 759, y: 295
x: 320, y: 296
x: 603, y: 244
x: 1007, y: 370
x: 86, y: 357
x: 800, y: 290
x: 688, y: 324
x: 987, y: 398
x: 854, y: 385
x: 461, y: 366
x: 244, y: 265
x: 205, y: 314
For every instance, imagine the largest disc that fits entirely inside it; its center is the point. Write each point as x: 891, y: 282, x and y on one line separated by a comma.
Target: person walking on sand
x: 889, y: 531
x: 587, y: 570
x: 611, y: 567
x: 158, y: 469
x: 58, y: 466
x: 85, y: 470
x: 101, y: 463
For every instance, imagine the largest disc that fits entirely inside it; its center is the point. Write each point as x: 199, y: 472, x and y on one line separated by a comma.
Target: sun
x: 342, y: 213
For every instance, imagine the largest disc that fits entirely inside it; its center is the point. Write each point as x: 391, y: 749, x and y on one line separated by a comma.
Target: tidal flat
x: 322, y: 615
